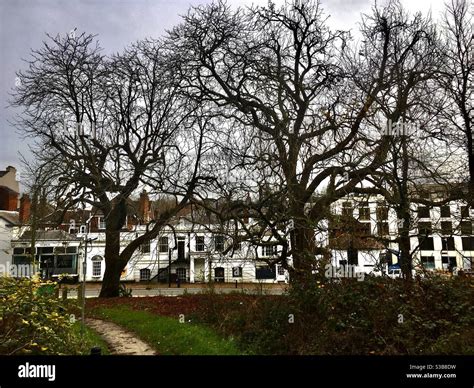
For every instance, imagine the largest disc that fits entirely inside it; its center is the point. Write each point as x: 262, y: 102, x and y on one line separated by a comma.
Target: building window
x: 347, y: 209
x: 467, y: 243
x: 447, y: 243
x: 101, y: 223
x: 365, y: 229
x: 71, y: 250
x: 96, y: 268
x: 219, y: 274
x: 82, y: 229
x: 265, y: 272
x: 428, y: 262
x: 200, y: 243
x: 466, y: 227
x: 382, y: 213
x: 18, y: 251
x: 465, y: 211
x: 280, y: 270
x: 352, y: 256
x: 448, y: 262
x: 268, y: 250
x: 236, y: 272
x: 219, y: 243
x: 64, y: 261
x: 446, y: 227
x: 426, y: 243
x: 145, y: 275
x: 445, y: 211
x: 382, y: 228
x: 145, y: 247
x: 364, y: 212
x: 424, y: 228
x: 423, y: 212
x: 163, y: 244
x: 181, y: 274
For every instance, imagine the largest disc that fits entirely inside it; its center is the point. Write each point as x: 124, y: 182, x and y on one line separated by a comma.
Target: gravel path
x: 120, y: 341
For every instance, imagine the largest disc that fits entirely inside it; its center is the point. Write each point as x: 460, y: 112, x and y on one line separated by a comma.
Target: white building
x: 8, y: 221
x: 441, y: 238
x: 194, y: 252
x: 361, y: 233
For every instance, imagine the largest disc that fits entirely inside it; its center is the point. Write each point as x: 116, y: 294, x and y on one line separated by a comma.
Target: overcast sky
x: 23, y: 24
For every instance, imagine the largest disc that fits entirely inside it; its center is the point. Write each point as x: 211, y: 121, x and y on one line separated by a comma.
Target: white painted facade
x: 194, y: 257
x: 438, y: 250
x: 197, y: 257
x: 7, y: 233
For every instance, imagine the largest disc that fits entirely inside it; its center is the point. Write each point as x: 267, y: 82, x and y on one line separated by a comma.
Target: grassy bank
x: 375, y: 316
x: 169, y: 336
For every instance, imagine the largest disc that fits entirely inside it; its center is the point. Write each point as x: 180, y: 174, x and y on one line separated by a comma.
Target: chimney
x: 144, y: 207
x: 25, y: 205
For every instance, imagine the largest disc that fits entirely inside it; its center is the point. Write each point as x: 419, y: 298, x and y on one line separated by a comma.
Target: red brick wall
x: 8, y: 199
x: 25, y: 205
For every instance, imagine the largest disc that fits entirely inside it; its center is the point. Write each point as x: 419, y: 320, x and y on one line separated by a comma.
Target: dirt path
x: 120, y: 341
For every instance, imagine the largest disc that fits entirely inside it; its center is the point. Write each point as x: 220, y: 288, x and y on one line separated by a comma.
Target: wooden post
x: 79, y: 293
x: 64, y: 293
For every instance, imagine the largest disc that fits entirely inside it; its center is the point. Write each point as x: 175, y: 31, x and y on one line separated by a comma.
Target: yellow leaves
x: 36, y: 278
x: 25, y: 322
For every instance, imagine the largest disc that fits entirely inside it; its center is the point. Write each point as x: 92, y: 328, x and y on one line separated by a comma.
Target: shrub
x: 33, y: 320
x: 374, y: 316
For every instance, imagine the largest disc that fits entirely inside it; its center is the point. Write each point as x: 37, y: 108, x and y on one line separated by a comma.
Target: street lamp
x: 84, y: 270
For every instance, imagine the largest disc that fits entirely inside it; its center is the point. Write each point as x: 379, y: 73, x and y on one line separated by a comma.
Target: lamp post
x: 169, y: 267
x: 84, y: 271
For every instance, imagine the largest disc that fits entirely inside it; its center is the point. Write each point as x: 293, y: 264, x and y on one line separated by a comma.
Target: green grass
x: 91, y: 339
x: 167, y: 335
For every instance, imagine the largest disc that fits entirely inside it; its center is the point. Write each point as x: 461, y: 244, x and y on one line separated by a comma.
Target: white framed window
x: 219, y: 243
x: 163, y: 244
x: 181, y: 274
x: 145, y: 275
x: 280, y: 270
x: 268, y: 250
x: 199, y: 243
x: 96, y: 268
x: 101, y: 223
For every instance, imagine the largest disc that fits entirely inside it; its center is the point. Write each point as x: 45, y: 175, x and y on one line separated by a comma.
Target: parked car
x: 394, y: 273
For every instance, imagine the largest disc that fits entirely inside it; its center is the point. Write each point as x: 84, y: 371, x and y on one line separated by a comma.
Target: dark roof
x: 9, y: 216
x: 53, y: 235
x: 8, y: 189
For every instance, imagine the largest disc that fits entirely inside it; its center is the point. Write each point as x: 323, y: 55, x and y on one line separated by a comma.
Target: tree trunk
x: 113, y: 265
x: 303, y: 253
x: 406, y: 264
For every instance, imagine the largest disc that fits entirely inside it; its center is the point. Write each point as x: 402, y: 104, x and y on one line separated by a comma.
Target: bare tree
x: 456, y: 95
x: 107, y: 127
x: 298, y: 103
x: 416, y: 157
